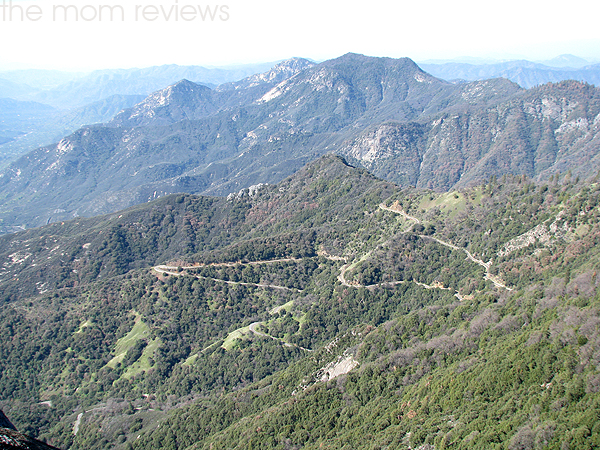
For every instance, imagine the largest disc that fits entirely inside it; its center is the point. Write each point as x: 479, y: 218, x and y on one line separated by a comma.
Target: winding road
x: 488, y: 276
x: 172, y: 270
x: 396, y: 209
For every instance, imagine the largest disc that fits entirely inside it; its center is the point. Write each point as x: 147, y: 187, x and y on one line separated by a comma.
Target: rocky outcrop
x: 11, y: 439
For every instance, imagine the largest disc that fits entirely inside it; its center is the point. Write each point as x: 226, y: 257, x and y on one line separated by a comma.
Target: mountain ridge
x: 559, y: 126
x: 73, y: 93
x: 188, y: 138
x: 525, y: 73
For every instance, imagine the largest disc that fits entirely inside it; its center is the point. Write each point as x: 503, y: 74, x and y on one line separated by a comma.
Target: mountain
x: 567, y: 61
x: 39, y: 79
x: 525, y: 73
x: 386, y: 115
x: 192, y: 139
x: 10, y: 89
x: 17, y: 116
x: 76, y: 90
x: 560, y: 61
x: 278, y: 73
x: 98, y: 112
x: 23, y: 84
x: 182, y: 101
x: 186, y: 100
x: 333, y: 309
x: 14, y: 112
x: 553, y: 128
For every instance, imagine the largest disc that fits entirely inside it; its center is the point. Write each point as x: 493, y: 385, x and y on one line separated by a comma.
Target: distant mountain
x: 80, y: 99
x: 524, y: 73
x: 183, y: 100
x: 30, y: 125
x: 560, y: 61
x: 570, y: 61
x: 97, y: 112
x: 14, y: 111
x: 83, y: 99
x: 76, y: 90
x: 10, y: 89
x: 386, y: 115
x: 17, y: 118
x: 68, y: 90
x: 105, y: 83
x: 192, y: 139
x: 277, y: 74
x: 40, y: 79
x: 189, y: 101
x: 25, y: 84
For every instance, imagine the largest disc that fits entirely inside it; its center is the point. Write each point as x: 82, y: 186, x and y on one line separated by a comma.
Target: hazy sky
x: 82, y: 35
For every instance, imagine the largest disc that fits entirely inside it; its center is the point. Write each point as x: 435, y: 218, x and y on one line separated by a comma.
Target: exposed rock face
x: 336, y: 368
x: 182, y: 101
x: 391, y: 150
x: 553, y: 128
x: 280, y: 72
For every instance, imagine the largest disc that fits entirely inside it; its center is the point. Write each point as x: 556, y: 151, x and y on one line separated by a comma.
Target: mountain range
x: 67, y: 90
x: 66, y: 101
x: 386, y: 115
x: 70, y: 94
x: 525, y: 73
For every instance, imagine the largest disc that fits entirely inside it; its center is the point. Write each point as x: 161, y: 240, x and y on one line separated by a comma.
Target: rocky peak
x: 280, y: 72
x: 181, y: 90
x: 180, y: 101
x: 362, y: 63
x: 285, y: 69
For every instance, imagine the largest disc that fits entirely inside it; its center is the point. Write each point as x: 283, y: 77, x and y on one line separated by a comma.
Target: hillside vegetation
x: 332, y: 310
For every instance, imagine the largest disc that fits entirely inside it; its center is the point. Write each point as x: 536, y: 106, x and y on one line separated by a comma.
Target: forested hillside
x: 332, y: 310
